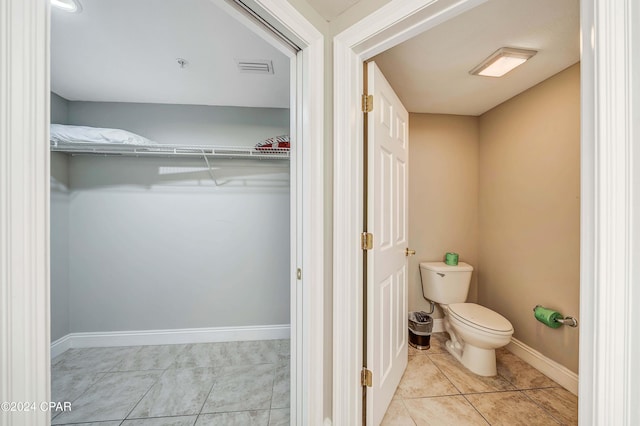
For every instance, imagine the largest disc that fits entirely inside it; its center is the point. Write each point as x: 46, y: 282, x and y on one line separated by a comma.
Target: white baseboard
x: 169, y: 337
x: 61, y: 345
x: 558, y: 373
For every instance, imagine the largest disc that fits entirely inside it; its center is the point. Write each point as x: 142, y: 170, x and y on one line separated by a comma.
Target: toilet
x: 476, y: 332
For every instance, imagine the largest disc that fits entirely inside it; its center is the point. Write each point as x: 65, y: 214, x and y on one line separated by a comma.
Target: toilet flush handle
x: 408, y: 252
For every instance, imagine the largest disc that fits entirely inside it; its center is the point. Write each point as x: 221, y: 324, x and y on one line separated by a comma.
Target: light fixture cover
x: 72, y: 6
x: 502, y: 61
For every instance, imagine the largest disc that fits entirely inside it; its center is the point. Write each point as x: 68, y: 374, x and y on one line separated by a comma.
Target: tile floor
x: 437, y: 390
x: 247, y: 383
x: 231, y: 383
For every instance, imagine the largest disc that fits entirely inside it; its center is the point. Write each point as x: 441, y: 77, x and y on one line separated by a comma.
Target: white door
x: 388, y: 146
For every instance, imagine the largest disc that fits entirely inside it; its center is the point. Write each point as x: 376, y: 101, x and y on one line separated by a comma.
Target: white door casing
x: 387, y: 213
x: 610, y: 206
x: 308, y: 293
x: 388, y: 26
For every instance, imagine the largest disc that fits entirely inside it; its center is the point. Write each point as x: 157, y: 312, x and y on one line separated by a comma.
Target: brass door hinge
x: 366, y: 241
x: 366, y: 378
x: 367, y: 103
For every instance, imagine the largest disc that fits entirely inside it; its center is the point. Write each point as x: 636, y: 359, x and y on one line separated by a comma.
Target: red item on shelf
x: 280, y: 142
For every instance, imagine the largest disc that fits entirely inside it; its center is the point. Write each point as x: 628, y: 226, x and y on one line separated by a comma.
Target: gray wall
x: 59, y: 109
x: 156, y: 244
x: 59, y: 228
x: 59, y: 245
x: 185, y: 124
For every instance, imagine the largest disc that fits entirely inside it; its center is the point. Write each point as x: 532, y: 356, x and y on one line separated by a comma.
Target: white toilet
x: 476, y: 332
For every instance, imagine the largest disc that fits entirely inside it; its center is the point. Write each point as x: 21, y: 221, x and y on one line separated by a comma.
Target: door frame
x: 24, y: 208
x: 608, y: 205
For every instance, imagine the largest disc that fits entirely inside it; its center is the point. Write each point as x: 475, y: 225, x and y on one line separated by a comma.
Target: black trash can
x: 420, y: 327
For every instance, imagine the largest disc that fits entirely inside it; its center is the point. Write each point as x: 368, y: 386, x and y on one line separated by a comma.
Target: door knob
x: 408, y: 252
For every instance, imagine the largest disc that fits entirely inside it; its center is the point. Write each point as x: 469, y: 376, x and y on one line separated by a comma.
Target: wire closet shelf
x: 167, y: 150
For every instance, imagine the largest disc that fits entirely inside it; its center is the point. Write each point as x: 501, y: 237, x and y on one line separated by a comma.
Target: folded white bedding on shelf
x: 92, y: 140
x: 61, y: 133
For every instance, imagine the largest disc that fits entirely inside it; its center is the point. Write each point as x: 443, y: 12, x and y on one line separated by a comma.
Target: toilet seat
x: 481, y: 318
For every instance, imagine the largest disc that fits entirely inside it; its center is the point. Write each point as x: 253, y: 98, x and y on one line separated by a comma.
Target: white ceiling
x: 126, y: 51
x: 330, y: 9
x: 430, y: 73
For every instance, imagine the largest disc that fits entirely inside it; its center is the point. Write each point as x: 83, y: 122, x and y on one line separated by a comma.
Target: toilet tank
x: 444, y: 283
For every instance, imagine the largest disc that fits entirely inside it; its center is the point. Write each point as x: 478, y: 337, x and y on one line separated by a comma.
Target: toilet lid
x: 479, y: 316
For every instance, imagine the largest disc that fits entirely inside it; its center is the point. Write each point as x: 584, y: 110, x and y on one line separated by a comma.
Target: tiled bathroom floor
x: 437, y: 390
x: 231, y: 383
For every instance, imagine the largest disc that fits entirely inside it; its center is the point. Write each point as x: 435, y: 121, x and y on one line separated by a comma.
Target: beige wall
x: 529, y: 211
x: 443, y: 195
x: 503, y: 191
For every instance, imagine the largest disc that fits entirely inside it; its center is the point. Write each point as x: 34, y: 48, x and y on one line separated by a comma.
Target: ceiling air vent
x: 255, y: 66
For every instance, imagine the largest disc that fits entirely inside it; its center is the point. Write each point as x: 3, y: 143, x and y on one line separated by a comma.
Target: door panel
x: 385, y: 209
x: 386, y: 263
x: 401, y: 202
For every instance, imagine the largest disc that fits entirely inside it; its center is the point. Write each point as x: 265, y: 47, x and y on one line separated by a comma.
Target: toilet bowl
x: 475, y: 331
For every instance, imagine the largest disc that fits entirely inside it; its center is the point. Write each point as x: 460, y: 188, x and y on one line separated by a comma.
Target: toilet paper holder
x: 570, y: 321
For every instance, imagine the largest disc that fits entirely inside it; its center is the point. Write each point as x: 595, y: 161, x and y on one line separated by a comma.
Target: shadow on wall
x: 152, y: 243
x: 96, y: 172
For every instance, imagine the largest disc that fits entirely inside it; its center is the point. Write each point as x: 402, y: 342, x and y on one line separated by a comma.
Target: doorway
x: 372, y: 37
x: 31, y: 318
x: 158, y: 257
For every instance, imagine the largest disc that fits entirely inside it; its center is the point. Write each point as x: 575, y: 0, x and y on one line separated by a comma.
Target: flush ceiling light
x: 502, y: 61
x: 72, y: 6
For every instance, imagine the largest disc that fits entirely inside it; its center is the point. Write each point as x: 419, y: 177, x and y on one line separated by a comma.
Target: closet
x: 170, y: 170
x: 170, y: 215
x: 170, y: 236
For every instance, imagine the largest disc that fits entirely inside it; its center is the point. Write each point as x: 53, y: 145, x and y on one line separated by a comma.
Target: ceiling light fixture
x: 502, y: 61
x: 72, y: 6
